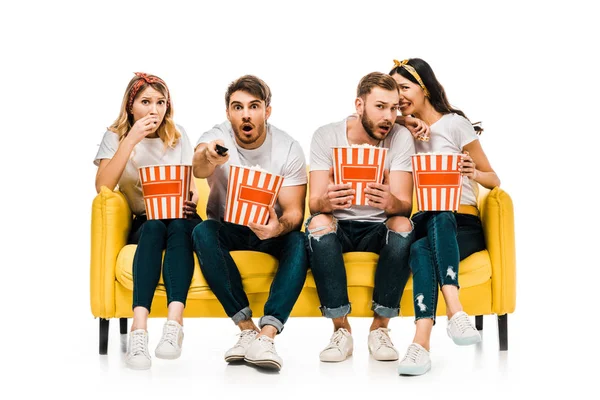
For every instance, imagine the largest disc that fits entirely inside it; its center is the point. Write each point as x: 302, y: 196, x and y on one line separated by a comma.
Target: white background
x: 528, y: 70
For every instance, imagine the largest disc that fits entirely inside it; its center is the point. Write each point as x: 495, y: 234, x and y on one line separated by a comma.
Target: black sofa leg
x: 123, y: 325
x: 104, y: 336
x: 479, y: 322
x: 503, y: 331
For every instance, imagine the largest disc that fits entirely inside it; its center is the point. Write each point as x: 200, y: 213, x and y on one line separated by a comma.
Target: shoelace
x: 170, y: 334
x: 412, y: 353
x: 336, y: 339
x: 463, y: 323
x: 246, y: 337
x: 138, y: 345
x: 384, y: 339
x: 267, y: 344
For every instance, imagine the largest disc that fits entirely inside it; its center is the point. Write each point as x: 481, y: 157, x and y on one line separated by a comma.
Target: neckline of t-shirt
x: 379, y: 144
x: 441, y: 118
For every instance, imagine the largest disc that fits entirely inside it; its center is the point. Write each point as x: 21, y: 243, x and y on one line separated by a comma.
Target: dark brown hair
x: 252, y: 85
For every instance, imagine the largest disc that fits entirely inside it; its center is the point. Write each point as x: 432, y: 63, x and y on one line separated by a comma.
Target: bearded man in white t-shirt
x: 380, y: 226
x: 251, y: 141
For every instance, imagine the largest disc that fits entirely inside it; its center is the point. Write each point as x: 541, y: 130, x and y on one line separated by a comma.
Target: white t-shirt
x: 279, y: 154
x: 150, y: 151
x: 399, y: 142
x: 449, y: 135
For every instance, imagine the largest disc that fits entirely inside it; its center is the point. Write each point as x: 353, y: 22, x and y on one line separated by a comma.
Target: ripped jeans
x: 327, y: 264
x: 443, y: 239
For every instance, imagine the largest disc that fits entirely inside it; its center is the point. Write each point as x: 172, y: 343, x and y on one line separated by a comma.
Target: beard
x: 242, y: 138
x: 370, y: 127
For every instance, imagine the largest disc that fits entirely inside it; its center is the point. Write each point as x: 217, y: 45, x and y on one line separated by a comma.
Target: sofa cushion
x: 258, y: 269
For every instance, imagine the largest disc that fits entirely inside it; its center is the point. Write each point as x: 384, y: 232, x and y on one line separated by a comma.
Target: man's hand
x: 214, y: 158
x: 270, y: 230
x: 379, y: 195
x: 339, y: 196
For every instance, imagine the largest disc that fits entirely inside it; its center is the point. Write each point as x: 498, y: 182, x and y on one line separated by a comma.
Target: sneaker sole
x: 268, y: 364
x: 383, y: 359
x: 414, y: 370
x: 231, y: 359
x: 466, y: 341
x: 167, y: 356
x: 335, y: 361
x: 138, y: 367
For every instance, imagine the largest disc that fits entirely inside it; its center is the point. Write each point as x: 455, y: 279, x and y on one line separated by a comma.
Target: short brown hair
x: 368, y: 82
x: 252, y: 85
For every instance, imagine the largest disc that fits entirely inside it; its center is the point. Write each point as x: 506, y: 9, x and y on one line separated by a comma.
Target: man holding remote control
x: 246, y: 139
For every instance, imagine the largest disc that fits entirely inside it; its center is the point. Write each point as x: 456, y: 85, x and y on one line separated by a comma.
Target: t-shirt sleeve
x: 402, y: 148
x: 209, y: 136
x: 295, y: 169
x: 463, y: 132
x: 320, y: 151
x: 187, y: 153
x: 108, y: 147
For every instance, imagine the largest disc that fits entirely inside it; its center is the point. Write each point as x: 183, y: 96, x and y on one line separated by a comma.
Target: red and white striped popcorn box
x: 165, y: 189
x: 250, y: 192
x: 438, y: 182
x: 358, y: 165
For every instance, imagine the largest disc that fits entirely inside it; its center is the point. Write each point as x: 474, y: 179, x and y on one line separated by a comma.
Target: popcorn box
x: 358, y: 165
x: 165, y: 189
x: 438, y: 182
x: 250, y: 192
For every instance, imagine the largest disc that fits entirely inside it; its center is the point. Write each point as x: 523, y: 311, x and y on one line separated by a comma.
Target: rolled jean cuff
x: 269, y: 320
x: 338, y: 312
x: 425, y: 317
x: 242, y: 315
x: 384, y: 311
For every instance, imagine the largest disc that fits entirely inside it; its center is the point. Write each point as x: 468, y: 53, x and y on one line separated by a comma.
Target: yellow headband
x: 413, y: 72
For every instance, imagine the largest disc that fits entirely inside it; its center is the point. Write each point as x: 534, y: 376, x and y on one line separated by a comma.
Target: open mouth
x: 247, y: 127
x: 384, y: 128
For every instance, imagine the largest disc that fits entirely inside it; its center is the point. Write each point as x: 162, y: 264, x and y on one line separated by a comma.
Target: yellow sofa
x: 487, y: 278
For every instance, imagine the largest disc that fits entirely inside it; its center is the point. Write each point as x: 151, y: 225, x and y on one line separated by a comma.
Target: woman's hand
x: 142, y: 128
x: 189, y: 208
x: 467, y: 166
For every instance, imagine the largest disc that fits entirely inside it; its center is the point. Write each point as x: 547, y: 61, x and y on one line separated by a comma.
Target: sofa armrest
x: 111, y: 222
x: 497, y: 217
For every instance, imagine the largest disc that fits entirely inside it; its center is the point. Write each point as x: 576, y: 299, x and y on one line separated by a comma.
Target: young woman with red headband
x: 443, y: 238
x: 145, y: 134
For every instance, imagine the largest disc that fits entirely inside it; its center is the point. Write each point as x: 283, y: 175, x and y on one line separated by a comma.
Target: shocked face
x: 149, y: 102
x: 248, y: 116
x: 378, y: 112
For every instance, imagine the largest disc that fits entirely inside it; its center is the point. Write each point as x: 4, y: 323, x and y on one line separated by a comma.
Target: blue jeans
x: 152, y: 237
x: 443, y: 239
x: 213, y: 240
x: 327, y: 264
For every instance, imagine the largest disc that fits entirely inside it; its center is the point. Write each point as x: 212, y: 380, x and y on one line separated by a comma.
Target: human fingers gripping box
x: 250, y: 193
x: 165, y: 189
x: 358, y: 165
x: 438, y: 182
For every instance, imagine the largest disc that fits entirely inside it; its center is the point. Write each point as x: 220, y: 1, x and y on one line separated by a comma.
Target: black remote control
x: 221, y: 150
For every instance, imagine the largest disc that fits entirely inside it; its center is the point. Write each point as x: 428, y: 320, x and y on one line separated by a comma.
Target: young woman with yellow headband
x: 145, y: 134
x: 443, y: 238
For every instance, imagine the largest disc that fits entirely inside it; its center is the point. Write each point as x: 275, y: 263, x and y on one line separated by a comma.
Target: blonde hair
x: 167, y: 131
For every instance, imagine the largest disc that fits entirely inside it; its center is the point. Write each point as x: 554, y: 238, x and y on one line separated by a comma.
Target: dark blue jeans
x: 443, y: 239
x: 327, y: 264
x: 213, y: 240
x: 152, y: 237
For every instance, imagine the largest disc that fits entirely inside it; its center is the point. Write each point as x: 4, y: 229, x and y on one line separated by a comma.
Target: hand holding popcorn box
x: 250, y: 193
x: 438, y: 182
x: 165, y: 189
x: 358, y: 165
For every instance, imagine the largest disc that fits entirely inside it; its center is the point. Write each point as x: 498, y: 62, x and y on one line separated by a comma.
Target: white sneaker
x: 170, y: 343
x: 238, y: 351
x: 461, y: 330
x: 138, y: 356
x: 340, y: 347
x: 415, y: 362
x: 262, y: 353
x: 381, y: 346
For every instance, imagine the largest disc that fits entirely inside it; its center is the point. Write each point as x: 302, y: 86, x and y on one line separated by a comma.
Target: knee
x: 178, y: 226
x: 399, y: 224
x: 444, y: 219
x: 321, y: 224
x: 206, y: 232
x: 154, y: 228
